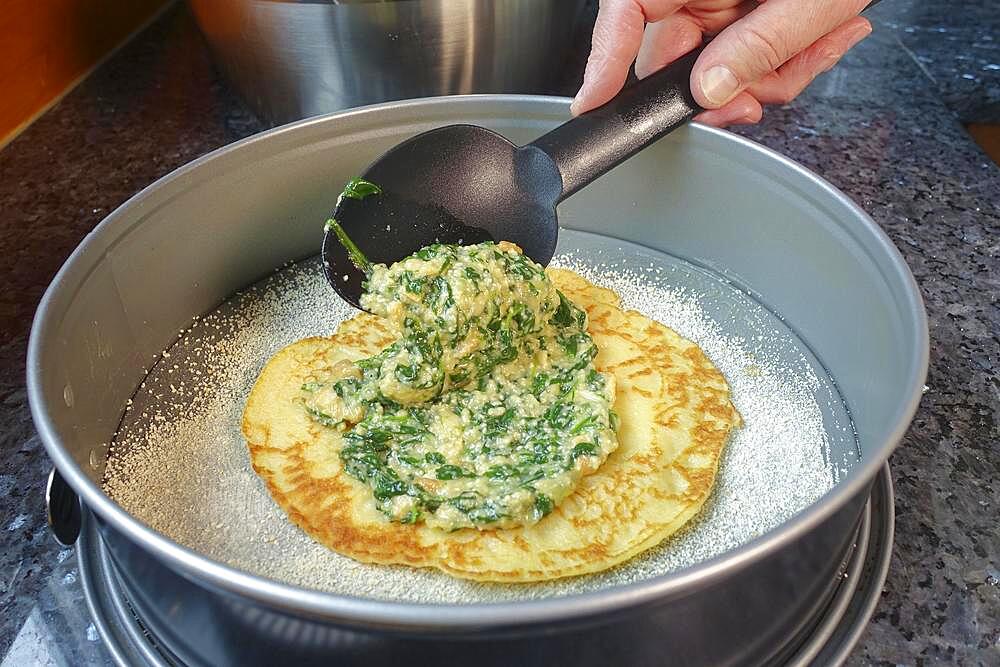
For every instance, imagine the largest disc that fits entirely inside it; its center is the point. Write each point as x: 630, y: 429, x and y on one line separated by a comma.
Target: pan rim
x: 450, y: 617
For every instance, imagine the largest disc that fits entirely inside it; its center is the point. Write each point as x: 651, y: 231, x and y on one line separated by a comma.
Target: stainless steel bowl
x: 181, y: 246
x: 290, y: 60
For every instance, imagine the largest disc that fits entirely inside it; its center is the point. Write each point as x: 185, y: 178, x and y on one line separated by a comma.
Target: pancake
x: 675, y: 417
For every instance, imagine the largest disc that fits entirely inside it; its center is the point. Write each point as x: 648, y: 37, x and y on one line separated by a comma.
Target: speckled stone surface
x: 956, y: 45
x: 884, y: 127
x: 153, y: 107
x: 878, y: 130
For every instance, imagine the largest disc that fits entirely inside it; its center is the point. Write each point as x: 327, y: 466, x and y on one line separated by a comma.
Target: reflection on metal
x: 62, y: 509
x: 290, y: 60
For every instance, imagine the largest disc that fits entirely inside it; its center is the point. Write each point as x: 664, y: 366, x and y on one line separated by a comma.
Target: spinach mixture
x: 487, y: 410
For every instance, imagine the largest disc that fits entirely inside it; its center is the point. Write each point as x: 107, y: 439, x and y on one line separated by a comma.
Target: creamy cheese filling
x: 487, y: 410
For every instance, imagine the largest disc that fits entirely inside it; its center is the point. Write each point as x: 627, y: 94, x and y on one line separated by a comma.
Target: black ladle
x: 465, y: 184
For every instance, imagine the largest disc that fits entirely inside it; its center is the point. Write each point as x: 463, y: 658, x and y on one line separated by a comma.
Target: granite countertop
x: 884, y: 126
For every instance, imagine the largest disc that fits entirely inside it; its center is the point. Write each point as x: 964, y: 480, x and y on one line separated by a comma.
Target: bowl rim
x: 453, y: 617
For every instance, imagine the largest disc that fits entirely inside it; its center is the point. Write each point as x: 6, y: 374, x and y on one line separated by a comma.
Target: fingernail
x: 863, y: 31
x: 719, y: 84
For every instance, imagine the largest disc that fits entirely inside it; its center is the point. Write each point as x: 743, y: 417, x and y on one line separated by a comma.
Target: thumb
x: 762, y: 41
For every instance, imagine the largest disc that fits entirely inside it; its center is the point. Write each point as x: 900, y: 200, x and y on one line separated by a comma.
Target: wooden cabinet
x: 46, y: 46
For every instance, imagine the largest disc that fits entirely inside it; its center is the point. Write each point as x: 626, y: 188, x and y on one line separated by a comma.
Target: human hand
x: 763, y: 52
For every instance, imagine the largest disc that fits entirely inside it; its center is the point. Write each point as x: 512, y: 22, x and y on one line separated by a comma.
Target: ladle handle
x: 591, y: 144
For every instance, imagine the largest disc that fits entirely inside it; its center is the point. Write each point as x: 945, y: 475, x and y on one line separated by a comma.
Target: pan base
x: 827, y: 640
x: 179, y: 452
